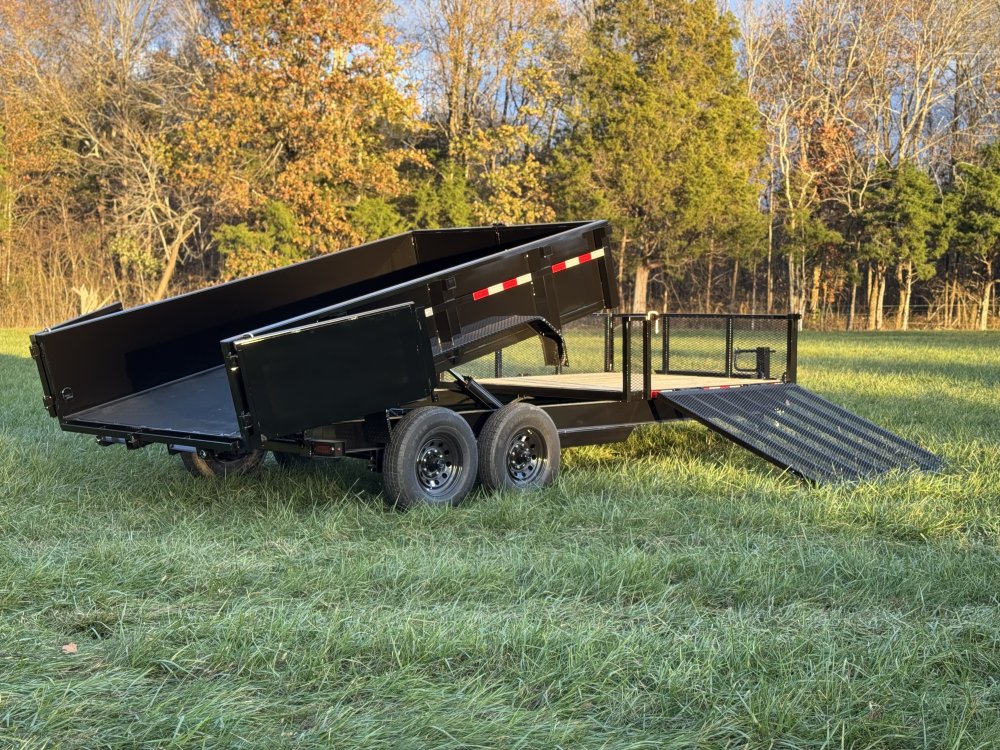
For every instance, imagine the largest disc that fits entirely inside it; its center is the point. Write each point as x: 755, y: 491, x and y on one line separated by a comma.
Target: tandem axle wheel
x: 433, y: 457
x: 204, y: 464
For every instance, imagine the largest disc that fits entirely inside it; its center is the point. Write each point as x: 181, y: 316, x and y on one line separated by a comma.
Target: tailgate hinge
x: 246, y: 421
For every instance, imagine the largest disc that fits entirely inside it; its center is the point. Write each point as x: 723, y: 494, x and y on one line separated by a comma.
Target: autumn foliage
x: 298, y: 104
x: 826, y: 157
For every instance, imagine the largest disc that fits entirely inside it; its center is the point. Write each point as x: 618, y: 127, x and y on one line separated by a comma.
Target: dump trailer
x: 401, y: 351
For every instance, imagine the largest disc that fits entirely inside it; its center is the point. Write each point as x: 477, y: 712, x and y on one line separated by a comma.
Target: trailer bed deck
x: 603, y: 384
x: 199, y: 404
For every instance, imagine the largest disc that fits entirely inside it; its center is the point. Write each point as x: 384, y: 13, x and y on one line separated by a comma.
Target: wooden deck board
x: 607, y: 382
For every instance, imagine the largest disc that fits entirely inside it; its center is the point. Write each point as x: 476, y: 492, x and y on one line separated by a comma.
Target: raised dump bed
x: 359, y: 353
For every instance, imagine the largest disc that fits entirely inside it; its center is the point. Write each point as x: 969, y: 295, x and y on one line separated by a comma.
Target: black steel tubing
x: 729, y: 346
x: 665, y: 364
x: 647, y: 358
x: 627, y: 358
x: 792, y: 349
x: 609, y: 343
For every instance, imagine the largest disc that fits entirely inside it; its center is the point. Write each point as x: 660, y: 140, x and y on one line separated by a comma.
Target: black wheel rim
x: 526, y: 456
x: 439, y: 465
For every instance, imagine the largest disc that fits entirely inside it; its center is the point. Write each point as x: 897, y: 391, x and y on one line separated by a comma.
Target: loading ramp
x: 801, y: 431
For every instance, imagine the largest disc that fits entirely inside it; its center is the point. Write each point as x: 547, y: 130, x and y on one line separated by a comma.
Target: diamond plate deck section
x: 200, y: 404
x: 798, y: 430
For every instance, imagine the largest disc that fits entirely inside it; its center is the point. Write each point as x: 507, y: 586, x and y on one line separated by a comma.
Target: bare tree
x: 847, y: 86
x: 114, y: 75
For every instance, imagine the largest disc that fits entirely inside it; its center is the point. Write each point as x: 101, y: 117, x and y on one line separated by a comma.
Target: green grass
x: 670, y: 592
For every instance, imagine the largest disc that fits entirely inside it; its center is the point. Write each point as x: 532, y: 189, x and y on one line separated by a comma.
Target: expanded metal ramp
x: 797, y: 430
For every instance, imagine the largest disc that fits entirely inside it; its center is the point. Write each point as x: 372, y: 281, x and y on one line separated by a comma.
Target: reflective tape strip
x: 526, y: 278
x: 573, y: 262
x: 502, y: 287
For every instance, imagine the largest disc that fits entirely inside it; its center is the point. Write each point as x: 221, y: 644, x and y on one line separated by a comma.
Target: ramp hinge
x: 35, y: 351
x: 246, y: 421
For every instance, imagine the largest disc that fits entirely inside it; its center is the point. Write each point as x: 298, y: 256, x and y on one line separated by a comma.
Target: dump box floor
x: 200, y: 404
x: 602, y: 384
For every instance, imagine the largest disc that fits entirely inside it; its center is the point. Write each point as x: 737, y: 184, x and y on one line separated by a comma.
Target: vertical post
x: 763, y: 363
x: 647, y: 358
x: 665, y: 364
x: 792, y: 349
x: 729, y: 346
x: 626, y: 359
x: 498, y: 363
x: 609, y: 343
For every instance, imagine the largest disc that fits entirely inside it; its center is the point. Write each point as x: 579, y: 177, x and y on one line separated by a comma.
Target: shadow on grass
x: 986, y: 375
x: 967, y: 359
x: 50, y: 461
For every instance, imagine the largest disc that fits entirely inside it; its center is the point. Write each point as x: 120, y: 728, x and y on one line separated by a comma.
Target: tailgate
x: 319, y: 374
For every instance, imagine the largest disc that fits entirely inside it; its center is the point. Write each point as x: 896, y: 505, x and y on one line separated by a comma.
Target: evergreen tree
x: 662, y: 138
x: 898, y: 224
x: 975, y: 217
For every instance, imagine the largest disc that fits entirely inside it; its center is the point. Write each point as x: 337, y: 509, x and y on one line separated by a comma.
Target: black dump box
x: 341, y: 336
x: 370, y: 352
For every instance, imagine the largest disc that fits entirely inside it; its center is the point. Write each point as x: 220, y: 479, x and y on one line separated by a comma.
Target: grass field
x: 670, y: 592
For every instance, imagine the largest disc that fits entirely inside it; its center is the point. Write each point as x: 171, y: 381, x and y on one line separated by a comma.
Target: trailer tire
x: 518, y: 449
x: 222, y: 466
x: 291, y: 460
x: 430, y: 459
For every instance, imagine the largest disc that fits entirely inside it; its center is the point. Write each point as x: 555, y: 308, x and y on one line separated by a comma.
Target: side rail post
x: 665, y: 344
x: 626, y: 358
x: 792, y: 348
x: 637, y: 385
x: 609, y: 342
x: 729, y: 346
x: 647, y: 355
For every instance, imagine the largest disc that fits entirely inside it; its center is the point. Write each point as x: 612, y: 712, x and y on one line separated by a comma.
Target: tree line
x: 834, y: 158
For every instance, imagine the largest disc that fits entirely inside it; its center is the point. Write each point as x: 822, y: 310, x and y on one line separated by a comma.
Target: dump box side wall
x: 92, y: 362
x: 461, y: 322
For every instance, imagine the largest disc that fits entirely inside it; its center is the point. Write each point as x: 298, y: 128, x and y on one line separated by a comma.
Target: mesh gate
x: 729, y: 345
x: 798, y: 430
x: 733, y: 346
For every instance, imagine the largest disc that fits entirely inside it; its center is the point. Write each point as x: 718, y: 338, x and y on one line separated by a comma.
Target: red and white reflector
x: 502, y: 287
x: 526, y: 278
x: 573, y: 262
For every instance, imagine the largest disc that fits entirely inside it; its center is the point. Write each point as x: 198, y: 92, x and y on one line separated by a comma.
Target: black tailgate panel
x: 339, y: 369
